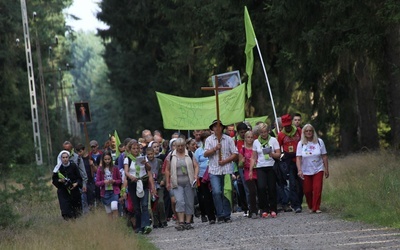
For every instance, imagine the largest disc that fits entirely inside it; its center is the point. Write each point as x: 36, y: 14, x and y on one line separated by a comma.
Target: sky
x: 86, y: 11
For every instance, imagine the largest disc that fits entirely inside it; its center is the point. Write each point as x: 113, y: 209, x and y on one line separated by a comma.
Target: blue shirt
x: 203, y: 161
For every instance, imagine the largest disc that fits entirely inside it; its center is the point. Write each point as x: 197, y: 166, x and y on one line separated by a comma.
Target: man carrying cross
x: 221, y: 152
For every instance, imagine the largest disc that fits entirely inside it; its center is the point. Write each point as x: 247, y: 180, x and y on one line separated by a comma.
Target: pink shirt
x: 247, y: 153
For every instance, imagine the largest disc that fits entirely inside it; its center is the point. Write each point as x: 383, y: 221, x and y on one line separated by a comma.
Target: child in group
x: 109, y: 181
x: 139, y: 184
x: 245, y: 155
x: 159, y: 218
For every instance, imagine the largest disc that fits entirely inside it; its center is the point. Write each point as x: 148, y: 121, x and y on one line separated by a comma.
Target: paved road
x: 287, y: 231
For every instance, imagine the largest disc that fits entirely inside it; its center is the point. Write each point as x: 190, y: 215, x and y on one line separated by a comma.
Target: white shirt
x: 228, y: 148
x: 261, y: 159
x: 132, y: 168
x: 311, y: 156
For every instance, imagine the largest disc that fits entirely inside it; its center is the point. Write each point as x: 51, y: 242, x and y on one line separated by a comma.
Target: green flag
x: 254, y: 120
x: 228, y: 187
x: 250, y: 44
x: 198, y: 113
x: 117, y: 142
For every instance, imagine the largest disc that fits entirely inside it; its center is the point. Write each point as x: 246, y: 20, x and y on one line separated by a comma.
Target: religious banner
x: 82, y: 112
x: 182, y: 113
x: 229, y: 79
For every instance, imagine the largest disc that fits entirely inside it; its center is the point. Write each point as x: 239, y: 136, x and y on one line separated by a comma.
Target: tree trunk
x: 348, y: 127
x: 367, y: 120
x: 347, y: 113
x: 392, y: 68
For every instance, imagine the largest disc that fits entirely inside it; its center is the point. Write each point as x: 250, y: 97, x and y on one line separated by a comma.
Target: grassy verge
x: 365, y: 187
x: 41, y: 226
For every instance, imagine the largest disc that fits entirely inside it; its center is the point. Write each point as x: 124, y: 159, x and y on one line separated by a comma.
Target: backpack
x: 281, y: 169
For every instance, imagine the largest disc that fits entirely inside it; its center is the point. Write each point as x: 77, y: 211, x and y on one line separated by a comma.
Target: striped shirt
x: 228, y: 148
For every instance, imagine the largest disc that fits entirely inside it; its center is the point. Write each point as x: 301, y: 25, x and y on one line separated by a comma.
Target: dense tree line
x: 15, y: 115
x: 72, y: 68
x: 335, y: 62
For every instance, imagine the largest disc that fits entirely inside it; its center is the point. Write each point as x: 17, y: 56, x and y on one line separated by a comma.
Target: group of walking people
x: 152, y: 180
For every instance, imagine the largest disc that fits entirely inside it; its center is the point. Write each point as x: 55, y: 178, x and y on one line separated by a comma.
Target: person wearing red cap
x: 288, y: 139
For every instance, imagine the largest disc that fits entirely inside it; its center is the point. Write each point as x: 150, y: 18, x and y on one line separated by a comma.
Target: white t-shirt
x: 134, y: 166
x: 265, y: 161
x: 107, y: 177
x: 311, y: 153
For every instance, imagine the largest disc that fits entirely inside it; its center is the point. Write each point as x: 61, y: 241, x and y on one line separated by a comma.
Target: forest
x: 335, y: 62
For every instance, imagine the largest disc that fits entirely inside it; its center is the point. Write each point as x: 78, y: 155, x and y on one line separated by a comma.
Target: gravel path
x: 287, y: 231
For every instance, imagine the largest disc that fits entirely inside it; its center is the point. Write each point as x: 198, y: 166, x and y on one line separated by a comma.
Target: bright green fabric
x: 182, y: 113
x: 263, y: 143
x: 250, y: 44
x: 117, y: 142
x: 254, y: 120
x: 291, y: 133
x: 228, y: 188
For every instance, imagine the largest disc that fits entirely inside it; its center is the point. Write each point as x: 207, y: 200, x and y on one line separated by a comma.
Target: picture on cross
x: 228, y: 79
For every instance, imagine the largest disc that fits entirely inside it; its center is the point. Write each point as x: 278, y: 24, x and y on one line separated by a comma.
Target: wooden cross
x: 216, y: 88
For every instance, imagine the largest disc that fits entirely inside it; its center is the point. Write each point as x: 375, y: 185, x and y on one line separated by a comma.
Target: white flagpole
x: 269, y: 87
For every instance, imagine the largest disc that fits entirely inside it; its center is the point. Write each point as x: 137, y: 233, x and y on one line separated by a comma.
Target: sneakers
x: 180, y: 227
x: 318, y: 211
x: 220, y: 220
x: 245, y: 213
x: 227, y: 220
x: 297, y: 210
x: 287, y: 208
x: 188, y: 226
x: 147, y: 230
x: 273, y: 214
x: 212, y: 222
x: 264, y: 215
x: 253, y: 216
x: 204, y: 219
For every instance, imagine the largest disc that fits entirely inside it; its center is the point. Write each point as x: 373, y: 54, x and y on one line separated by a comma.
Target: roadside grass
x: 40, y: 226
x: 365, y: 187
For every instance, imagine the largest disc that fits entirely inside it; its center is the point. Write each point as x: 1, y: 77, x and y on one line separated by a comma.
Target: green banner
x: 254, y: 120
x: 182, y: 113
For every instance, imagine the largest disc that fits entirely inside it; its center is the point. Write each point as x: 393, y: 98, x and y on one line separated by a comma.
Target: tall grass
x: 365, y: 187
x: 42, y: 227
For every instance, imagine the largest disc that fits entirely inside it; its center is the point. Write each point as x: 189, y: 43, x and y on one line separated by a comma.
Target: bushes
x: 7, y: 213
x: 24, y: 185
